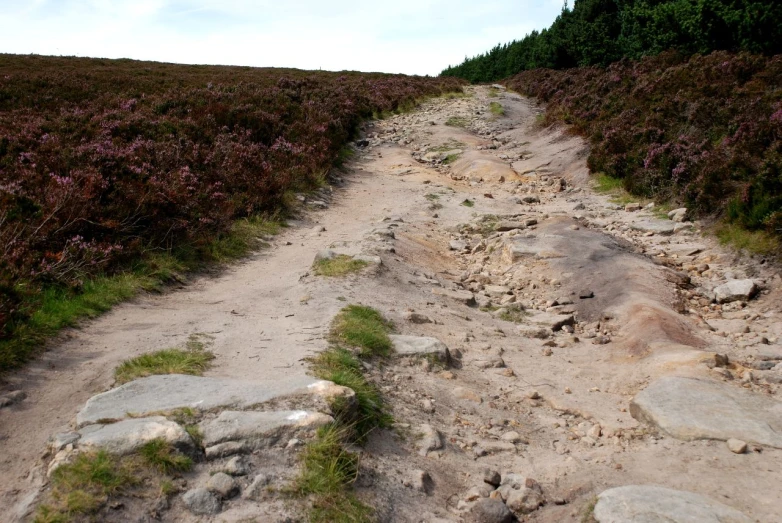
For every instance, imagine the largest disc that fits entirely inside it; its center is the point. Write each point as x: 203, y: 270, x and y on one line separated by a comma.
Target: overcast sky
x: 400, y: 36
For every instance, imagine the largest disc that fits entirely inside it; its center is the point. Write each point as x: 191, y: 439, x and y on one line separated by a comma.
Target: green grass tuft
x: 496, y: 109
x: 364, y: 328
x: 343, y: 368
x: 338, y: 266
x: 81, y: 488
x: 167, y: 361
x: 162, y: 456
x: 468, y: 203
x: 328, y: 470
x: 456, y: 121
x: 754, y: 242
x: 514, y: 315
x: 451, y: 158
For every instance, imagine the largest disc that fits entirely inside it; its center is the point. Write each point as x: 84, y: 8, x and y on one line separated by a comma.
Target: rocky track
x: 596, y: 361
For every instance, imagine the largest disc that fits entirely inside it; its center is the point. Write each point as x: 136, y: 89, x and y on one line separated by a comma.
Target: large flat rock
x: 127, y: 436
x: 258, y: 429
x: 550, y: 320
x: 165, y: 393
x: 663, y: 228
x: 652, y: 504
x: 690, y: 409
x: 419, y: 346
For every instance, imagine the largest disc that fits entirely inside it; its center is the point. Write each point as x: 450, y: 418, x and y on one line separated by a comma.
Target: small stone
x: 414, y: 317
x: 223, y: 485
x: 737, y: 446
x: 533, y: 395
x: 512, y: 436
x: 631, y: 207
x: 201, y: 502
x: 257, y: 488
x: 12, y: 398
x: 586, y: 294
x: 492, y: 477
x: 488, y: 510
x: 568, y: 391
x: 237, y: 466
x: 601, y: 340
x: 466, y: 394
x: 430, y: 439
x: 421, y: 481
x: 595, y: 432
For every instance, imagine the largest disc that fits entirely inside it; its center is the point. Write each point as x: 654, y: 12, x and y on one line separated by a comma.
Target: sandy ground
x: 264, y: 315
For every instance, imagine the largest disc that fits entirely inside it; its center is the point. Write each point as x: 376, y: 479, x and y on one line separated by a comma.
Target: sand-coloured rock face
x: 650, y: 504
x: 690, y: 409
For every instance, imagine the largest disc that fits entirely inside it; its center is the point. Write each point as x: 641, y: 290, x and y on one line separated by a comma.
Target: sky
x: 399, y: 36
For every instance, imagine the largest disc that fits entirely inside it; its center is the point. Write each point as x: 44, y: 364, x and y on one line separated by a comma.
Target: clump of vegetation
x: 450, y: 145
x: 339, y: 265
x: 159, y: 454
x: 94, y: 178
x: 451, y: 158
x: 363, y: 328
x: 496, y: 109
x: 328, y: 471
x: 703, y: 131
x: 514, y: 315
x: 456, y: 121
x: 468, y: 203
x: 493, y: 92
x: 194, y: 361
x: 81, y: 489
x: 599, y: 32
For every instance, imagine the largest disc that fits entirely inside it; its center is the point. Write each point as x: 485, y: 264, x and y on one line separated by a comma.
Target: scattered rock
x: 430, y: 439
x: 168, y: 392
x: 420, y: 346
x: 201, y: 502
x: 421, y: 481
x: 125, y: 437
x: 651, y: 503
x: 586, y: 294
x: 522, y: 494
x: 690, y: 409
x: 678, y: 215
x: 414, y: 317
x: 487, y: 510
x: 464, y: 297
x: 737, y: 446
x: 466, y: 394
x: 258, y: 429
x: 735, y: 290
x: 257, y: 488
x: 492, y: 477
x: 237, y: 466
x: 12, y: 398
x: 631, y: 207
x: 663, y: 228
x: 223, y: 485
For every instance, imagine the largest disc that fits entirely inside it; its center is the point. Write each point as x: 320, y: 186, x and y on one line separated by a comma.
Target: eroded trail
x: 583, y: 339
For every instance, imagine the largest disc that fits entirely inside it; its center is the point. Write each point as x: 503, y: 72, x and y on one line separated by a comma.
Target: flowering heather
x: 101, y: 160
x: 705, y: 130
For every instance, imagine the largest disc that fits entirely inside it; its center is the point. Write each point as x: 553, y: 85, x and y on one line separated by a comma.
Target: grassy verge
x: 754, y: 242
x: 81, y: 489
x: 363, y: 328
x: 496, y: 109
x: 328, y: 469
x: 193, y: 361
x: 340, y: 265
x: 55, y: 308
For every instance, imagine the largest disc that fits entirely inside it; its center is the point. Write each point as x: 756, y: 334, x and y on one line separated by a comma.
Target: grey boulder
x: 201, y: 502
x: 735, y: 290
x: 690, y: 409
x: 125, y: 437
x: 649, y: 504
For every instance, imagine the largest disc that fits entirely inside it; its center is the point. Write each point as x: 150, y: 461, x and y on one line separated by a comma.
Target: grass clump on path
x: 81, y: 489
x: 194, y: 361
x: 496, y: 109
x: 328, y: 470
x: 456, y: 121
x: 364, y: 328
x: 340, y: 265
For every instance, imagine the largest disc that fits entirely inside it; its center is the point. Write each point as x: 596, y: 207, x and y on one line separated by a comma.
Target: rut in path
x: 557, y: 306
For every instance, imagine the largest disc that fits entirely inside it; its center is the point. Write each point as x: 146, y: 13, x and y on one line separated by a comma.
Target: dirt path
x: 550, y: 405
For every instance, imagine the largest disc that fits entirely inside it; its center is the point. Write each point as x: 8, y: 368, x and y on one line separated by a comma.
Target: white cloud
x: 409, y: 36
